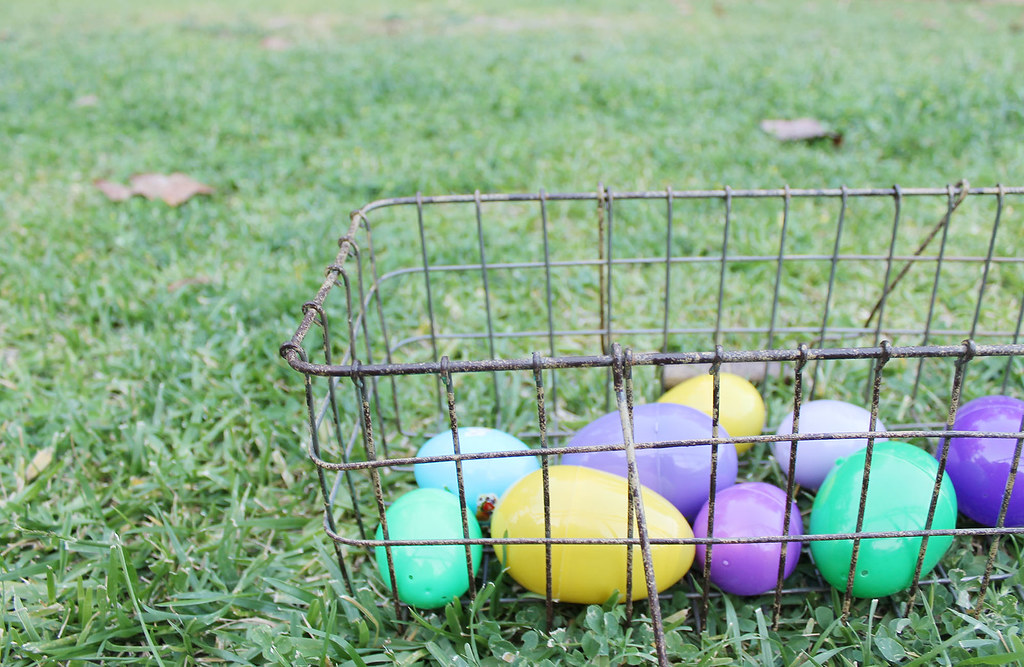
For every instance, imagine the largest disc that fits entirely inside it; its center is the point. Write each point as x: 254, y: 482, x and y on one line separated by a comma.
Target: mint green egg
x: 428, y: 576
x: 900, y: 487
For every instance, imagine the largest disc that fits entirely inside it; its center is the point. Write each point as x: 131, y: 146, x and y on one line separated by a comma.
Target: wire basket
x: 537, y: 313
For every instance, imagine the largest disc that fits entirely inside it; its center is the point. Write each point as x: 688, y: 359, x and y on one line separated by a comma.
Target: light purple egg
x: 980, y: 467
x: 681, y: 474
x: 753, y: 509
x: 815, y: 458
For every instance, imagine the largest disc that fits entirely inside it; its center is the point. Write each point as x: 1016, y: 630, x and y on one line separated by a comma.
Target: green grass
x: 179, y: 520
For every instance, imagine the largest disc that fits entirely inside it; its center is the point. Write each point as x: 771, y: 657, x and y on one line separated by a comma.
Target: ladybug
x: 485, y: 506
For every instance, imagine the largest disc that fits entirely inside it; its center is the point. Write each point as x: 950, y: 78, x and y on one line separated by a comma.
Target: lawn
x: 156, y: 501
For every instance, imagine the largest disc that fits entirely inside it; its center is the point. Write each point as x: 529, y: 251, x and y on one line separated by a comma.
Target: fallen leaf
x: 800, y: 129
x: 175, y: 189
x: 796, y: 129
x: 275, y: 43
x: 113, y: 191
x: 393, y: 25
x: 43, y: 458
x: 150, y: 186
x: 86, y: 101
x: 197, y: 280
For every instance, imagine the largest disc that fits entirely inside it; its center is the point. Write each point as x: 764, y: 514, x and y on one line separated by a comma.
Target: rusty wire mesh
x: 538, y: 312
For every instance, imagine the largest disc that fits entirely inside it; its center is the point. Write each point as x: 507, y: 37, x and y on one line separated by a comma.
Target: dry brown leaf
x: 181, y: 188
x: 796, y: 129
x: 113, y: 191
x: 184, y: 282
x: 151, y: 186
x: 40, y: 461
x: 275, y: 43
x: 175, y: 189
x: 800, y: 129
x: 86, y: 101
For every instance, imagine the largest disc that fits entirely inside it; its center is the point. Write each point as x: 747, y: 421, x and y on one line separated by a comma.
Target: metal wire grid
x: 357, y: 431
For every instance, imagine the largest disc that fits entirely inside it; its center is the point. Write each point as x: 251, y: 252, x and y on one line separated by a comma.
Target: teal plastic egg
x: 428, y: 576
x: 484, y: 480
x: 900, y: 486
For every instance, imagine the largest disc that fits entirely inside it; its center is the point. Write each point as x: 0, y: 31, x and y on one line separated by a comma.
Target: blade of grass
x: 130, y: 586
x: 823, y: 657
x: 763, y: 640
x: 351, y: 652
x: 732, y: 628
x: 1017, y: 658
x: 868, y: 658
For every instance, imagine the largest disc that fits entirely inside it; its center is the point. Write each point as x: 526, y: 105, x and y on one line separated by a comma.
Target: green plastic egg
x: 900, y: 487
x: 428, y: 576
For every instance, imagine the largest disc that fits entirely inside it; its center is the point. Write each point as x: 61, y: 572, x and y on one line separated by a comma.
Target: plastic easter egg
x: 980, y: 467
x: 815, y: 458
x: 586, y: 503
x: 900, y: 487
x: 481, y: 478
x: 681, y: 474
x: 740, y: 407
x: 752, y: 509
x: 428, y: 576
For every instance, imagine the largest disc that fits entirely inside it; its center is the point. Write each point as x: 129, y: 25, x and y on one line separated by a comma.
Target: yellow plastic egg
x: 586, y: 503
x: 740, y: 408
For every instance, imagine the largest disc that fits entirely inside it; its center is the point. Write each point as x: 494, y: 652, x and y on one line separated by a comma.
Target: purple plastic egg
x: 681, y: 474
x: 980, y: 467
x: 753, y: 509
x: 815, y: 458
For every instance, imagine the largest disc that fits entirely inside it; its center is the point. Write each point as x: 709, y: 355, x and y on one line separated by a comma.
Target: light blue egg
x: 480, y: 477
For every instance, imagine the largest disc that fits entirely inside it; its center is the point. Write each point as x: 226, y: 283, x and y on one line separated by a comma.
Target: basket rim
x: 294, y: 354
